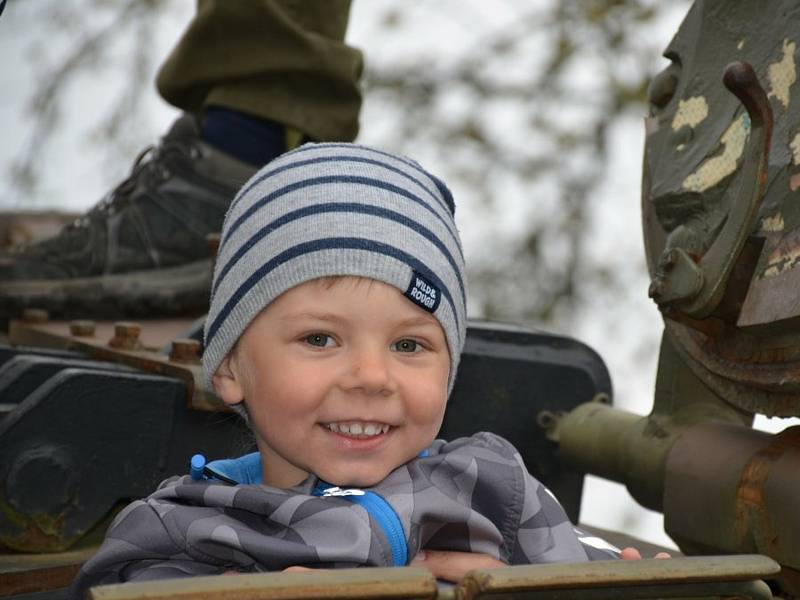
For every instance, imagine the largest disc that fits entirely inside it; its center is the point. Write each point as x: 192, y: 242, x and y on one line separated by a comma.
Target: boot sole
x: 172, y: 291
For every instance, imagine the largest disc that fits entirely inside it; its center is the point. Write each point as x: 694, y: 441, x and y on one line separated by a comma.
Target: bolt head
x: 82, y: 328
x: 185, y: 350
x: 35, y: 315
x: 127, y: 330
x: 126, y: 335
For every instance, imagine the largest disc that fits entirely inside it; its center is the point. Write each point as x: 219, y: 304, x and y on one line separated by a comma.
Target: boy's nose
x: 370, y: 373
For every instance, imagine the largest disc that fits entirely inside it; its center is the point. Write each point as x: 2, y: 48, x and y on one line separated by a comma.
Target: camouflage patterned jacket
x: 473, y: 494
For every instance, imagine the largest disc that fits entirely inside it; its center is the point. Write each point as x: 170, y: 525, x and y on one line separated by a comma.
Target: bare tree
x: 536, y: 102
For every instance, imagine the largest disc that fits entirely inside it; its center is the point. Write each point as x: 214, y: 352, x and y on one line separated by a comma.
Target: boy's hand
x: 447, y: 565
x: 630, y: 553
x: 451, y: 565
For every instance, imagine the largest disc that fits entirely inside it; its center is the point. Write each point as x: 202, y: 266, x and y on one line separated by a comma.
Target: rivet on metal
x: 35, y: 315
x: 126, y: 335
x: 185, y: 350
x: 81, y: 328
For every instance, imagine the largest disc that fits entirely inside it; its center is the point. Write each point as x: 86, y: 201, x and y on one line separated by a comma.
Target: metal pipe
x: 732, y: 489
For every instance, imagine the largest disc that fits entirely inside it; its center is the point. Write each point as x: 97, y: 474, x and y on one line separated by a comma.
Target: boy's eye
x: 321, y: 340
x: 407, y: 346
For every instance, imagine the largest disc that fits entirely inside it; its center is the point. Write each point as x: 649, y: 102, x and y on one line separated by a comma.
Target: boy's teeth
x: 359, y: 429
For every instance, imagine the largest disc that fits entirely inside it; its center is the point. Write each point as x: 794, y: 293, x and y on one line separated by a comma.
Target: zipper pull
x: 196, y: 467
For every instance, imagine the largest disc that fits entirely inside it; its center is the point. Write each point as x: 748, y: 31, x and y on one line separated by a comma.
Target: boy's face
x: 346, y: 379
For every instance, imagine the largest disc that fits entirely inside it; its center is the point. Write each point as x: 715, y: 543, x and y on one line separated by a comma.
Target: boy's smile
x: 344, y: 378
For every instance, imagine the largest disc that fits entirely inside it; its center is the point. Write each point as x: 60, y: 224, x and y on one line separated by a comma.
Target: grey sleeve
x: 186, y: 529
x: 476, y: 495
x: 546, y: 535
x: 137, y: 547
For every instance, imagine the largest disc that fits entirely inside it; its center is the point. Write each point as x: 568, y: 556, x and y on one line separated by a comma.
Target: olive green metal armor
x: 721, y: 220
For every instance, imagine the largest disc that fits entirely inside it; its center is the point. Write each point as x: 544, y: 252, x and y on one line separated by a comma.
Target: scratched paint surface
x: 773, y: 223
x: 783, y: 74
x: 696, y: 142
x: 691, y: 112
x: 795, y: 146
x: 717, y: 168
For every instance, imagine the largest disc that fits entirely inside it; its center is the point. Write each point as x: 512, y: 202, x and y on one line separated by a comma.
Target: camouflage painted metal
x: 691, y: 284
x: 721, y: 220
x: 720, y: 202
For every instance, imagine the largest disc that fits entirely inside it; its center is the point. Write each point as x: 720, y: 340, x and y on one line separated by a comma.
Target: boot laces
x: 148, y: 169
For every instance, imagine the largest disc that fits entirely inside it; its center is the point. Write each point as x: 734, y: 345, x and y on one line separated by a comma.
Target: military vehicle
x: 94, y: 414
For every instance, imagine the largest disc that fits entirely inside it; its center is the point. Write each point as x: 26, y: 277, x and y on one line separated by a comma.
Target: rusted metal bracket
x: 158, y: 348
x: 695, y: 286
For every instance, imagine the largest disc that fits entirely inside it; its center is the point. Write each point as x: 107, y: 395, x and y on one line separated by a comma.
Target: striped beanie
x: 334, y: 210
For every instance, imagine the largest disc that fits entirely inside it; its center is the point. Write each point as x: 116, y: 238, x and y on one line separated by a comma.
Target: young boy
x: 336, y: 325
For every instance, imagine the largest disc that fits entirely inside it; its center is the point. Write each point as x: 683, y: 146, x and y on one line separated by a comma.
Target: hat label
x: 423, y: 293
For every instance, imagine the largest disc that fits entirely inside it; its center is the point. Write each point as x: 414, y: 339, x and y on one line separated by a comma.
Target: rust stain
x: 36, y: 533
x: 39, y: 535
x: 752, y: 516
x: 37, y: 580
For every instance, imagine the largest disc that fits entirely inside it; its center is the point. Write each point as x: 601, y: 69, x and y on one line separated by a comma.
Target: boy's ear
x: 227, y: 383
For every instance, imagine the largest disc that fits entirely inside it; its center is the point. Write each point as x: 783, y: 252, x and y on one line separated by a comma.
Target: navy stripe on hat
x: 344, y: 207
x: 356, y: 159
x: 334, y: 179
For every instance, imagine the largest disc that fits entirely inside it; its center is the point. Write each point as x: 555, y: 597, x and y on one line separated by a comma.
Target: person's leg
x: 285, y: 61
x: 254, y: 77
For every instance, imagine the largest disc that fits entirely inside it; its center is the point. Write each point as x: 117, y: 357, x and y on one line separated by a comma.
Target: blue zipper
x: 383, y: 513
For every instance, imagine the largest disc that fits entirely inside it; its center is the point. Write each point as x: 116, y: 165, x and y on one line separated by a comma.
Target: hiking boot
x: 143, y: 249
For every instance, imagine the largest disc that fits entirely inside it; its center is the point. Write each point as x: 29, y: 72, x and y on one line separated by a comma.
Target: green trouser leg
x: 278, y: 59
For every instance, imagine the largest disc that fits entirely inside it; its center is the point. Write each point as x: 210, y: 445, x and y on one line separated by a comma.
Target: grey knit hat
x: 337, y: 209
